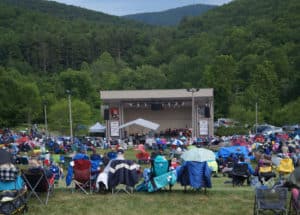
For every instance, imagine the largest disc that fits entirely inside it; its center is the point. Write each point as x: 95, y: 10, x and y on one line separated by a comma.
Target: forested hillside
x: 248, y: 51
x: 67, y: 12
x: 170, y: 17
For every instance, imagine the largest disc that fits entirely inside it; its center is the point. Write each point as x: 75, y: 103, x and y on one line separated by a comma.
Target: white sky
x: 125, y: 7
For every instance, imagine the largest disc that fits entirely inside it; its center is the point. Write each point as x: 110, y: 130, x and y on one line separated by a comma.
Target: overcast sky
x: 125, y: 7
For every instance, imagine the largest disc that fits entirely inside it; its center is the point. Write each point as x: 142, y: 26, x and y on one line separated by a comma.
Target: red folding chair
x: 82, y: 176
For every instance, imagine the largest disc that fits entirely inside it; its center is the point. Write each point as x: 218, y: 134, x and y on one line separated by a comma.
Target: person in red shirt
x: 142, y: 156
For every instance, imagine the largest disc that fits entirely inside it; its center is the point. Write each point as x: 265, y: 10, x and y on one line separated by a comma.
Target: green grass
x: 221, y: 199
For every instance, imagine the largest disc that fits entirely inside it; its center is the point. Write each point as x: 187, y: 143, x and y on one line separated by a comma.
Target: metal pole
x: 256, y: 117
x: 193, y: 90
x: 193, y: 123
x: 46, y: 123
x: 70, y: 117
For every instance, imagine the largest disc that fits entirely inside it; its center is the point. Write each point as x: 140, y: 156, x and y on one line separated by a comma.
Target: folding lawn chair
x: 38, y: 182
x: 82, y: 176
x: 12, y: 191
x: 239, y: 174
x: 122, y: 172
x: 160, y: 174
x: 269, y: 199
x: 285, y: 167
x: 195, y: 174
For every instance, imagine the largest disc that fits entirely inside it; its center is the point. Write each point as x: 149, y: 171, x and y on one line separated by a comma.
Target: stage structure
x: 171, y: 109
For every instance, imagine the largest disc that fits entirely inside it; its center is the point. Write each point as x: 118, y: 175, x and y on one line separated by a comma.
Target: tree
x: 222, y: 77
x: 263, y: 89
x: 288, y: 114
x: 20, y: 99
x: 79, y: 82
x: 59, y: 115
x: 104, y: 72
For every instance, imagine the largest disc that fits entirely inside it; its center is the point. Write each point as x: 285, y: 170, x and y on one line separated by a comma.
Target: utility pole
x: 45, y: 116
x: 256, y: 118
x: 193, y: 90
x: 70, y: 115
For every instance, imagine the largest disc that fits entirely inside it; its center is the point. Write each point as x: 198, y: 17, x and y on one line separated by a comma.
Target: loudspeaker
x: 207, y: 112
x: 156, y: 107
x: 106, y: 114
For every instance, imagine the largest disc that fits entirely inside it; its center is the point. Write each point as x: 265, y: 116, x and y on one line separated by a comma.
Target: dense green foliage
x: 170, y: 17
x: 248, y: 51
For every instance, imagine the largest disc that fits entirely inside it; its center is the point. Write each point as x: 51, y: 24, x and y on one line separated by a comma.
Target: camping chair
x: 239, y: 174
x: 122, y: 172
x: 195, y: 174
x: 160, y: 175
x: 12, y: 191
x: 268, y: 199
x: 82, y: 175
x: 285, y: 167
x: 39, y: 181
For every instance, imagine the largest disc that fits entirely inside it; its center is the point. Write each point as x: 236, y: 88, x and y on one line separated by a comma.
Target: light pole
x: 193, y: 90
x: 70, y: 115
x: 45, y: 115
x: 256, y: 117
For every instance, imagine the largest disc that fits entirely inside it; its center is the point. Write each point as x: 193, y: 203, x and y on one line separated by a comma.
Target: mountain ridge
x: 170, y: 17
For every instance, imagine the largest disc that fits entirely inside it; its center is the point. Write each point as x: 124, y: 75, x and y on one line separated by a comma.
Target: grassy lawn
x: 221, y: 199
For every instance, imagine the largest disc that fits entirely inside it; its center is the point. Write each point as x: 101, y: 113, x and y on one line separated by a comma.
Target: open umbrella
x: 198, y: 154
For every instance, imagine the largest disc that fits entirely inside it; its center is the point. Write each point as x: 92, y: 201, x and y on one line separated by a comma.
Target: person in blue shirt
x: 242, y: 160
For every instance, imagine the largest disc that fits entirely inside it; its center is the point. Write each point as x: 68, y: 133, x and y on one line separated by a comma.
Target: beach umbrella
x: 198, y: 154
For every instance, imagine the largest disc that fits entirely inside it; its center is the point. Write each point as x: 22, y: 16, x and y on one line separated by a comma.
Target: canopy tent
x: 141, y: 122
x: 97, y: 128
x: 225, y: 152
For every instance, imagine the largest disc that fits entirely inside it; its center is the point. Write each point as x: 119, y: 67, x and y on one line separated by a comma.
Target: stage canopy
x: 141, y: 122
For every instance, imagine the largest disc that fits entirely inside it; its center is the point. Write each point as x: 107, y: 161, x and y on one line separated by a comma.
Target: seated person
x: 174, y: 163
x: 242, y: 160
x: 96, y: 162
x: 35, y: 164
x: 228, y: 165
x: 142, y: 156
